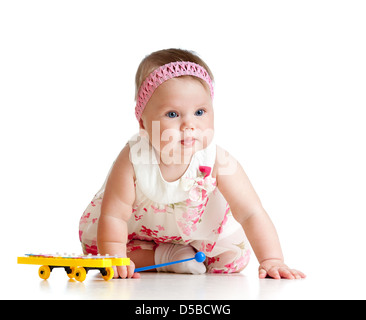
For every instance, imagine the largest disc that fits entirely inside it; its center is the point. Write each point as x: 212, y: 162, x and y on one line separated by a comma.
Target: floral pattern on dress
x: 224, y: 221
x: 190, y: 211
x: 199, y: 187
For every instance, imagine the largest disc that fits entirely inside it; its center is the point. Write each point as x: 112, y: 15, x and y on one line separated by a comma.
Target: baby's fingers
x: 262, y: 273
x: 298, y: 274
x: 124, y: 272
x: 285, y: 273
x: 272, y: 273
x: 131, y: 271
x: 120, y: 272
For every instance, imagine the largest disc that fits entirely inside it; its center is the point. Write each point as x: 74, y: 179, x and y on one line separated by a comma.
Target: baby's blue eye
x: 199, y: 112
x: 172, y: 114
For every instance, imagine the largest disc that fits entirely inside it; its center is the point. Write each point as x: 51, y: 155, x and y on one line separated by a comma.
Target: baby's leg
x: 147, y: 253
x: 231, y: 254
x: 142, y: 258
x: 142, y: 253
x: 228, y: 262
x: 168, y: 252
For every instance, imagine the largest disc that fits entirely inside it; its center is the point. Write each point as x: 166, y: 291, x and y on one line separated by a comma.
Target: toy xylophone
x: 76, y: 266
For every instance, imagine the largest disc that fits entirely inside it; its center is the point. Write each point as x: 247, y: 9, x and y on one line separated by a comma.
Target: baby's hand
x: 126, y: 271
x: 276, y: 269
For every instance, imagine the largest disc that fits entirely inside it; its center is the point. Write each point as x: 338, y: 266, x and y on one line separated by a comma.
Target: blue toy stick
x: 199, y: 257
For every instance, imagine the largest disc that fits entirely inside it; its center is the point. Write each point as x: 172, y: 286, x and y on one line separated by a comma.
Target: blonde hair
x: 162, y: 57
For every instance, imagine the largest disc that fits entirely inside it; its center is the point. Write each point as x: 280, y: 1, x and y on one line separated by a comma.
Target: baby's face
x: 179, y: 119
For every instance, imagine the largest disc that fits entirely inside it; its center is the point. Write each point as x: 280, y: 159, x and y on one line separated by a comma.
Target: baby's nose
x: 187, y: 124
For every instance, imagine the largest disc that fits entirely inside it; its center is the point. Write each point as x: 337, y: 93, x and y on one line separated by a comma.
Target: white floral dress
x: 190, y: 210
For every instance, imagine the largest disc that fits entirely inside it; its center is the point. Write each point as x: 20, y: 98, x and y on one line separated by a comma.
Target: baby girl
x: 172, y: 191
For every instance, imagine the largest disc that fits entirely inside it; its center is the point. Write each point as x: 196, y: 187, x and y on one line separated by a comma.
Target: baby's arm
x: 249, y: 212
x: 116, y: 209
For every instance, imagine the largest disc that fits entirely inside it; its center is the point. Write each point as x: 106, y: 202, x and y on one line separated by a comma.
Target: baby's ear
x: 141, y: 123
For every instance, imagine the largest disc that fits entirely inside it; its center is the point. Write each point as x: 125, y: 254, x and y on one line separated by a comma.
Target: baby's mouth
x: 188, y: 142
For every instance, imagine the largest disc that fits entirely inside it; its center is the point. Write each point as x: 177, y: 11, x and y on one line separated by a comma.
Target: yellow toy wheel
x: 44, y: 272
x: 71, y: 275
x: 108, y: 274
x: 80, y: 274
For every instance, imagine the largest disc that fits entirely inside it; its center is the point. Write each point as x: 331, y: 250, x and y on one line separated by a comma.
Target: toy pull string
x: 199, y: 257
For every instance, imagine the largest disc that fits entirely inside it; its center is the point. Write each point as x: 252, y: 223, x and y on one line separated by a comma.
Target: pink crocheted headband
x: 164, y: 73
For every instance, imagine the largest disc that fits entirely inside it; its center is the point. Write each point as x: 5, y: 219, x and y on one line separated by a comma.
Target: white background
x: 289, y: 103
